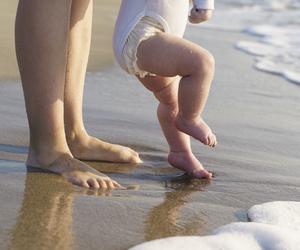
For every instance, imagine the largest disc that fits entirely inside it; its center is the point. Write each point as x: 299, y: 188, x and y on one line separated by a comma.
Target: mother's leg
x: 41, y: 45
x: 81, y: 144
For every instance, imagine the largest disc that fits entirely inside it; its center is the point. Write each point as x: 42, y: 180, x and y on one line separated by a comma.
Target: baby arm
x: 202, y: 11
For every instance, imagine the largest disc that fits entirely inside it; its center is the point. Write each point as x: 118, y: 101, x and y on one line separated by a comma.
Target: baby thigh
x: 167, y: 55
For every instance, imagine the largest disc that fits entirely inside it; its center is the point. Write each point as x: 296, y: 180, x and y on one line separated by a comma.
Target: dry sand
x: 256, y: 118
x: 101, y: 52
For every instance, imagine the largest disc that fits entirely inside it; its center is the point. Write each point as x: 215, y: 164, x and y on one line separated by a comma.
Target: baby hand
x: 199, y: 15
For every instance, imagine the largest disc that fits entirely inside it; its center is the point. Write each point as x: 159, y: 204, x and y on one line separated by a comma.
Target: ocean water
x: 273, y: 226
x: 276, y: 26
x: 256, y: 161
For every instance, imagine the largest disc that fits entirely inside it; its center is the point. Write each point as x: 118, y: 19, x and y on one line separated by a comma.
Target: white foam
x: 274, y: 226
x: 276, y: 23
x: 216, y: 242
x: 254, y: 48
x: 279, y: 213
x: 277, y: 51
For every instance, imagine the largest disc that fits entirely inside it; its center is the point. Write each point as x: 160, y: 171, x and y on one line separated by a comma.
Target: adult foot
x: 72, y: 169
x: 198, y: 129
x: 187, y: 162
x: 85, y: 147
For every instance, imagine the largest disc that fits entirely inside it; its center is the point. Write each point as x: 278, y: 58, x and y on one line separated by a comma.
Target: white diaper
x: 145, y: 28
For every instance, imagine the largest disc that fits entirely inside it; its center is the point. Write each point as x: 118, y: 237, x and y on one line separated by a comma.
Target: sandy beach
x: 101, y: 52
x: 256, y: 118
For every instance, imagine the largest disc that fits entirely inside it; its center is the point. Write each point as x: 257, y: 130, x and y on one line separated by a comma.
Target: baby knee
x: 167, y: 96
x: 209, y: 60
x: 204, y: 62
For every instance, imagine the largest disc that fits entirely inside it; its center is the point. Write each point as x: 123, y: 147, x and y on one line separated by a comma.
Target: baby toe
x: 202, y: 173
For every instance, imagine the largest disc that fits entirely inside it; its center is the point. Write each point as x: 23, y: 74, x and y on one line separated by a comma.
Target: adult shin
x: 41, y: 46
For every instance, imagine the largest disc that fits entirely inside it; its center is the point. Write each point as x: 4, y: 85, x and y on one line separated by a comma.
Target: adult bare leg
x: 42, y: 28
x: 82, y: 145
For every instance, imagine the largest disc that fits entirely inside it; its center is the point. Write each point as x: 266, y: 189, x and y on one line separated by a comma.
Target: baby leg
x: 166, y: 91
x: 169, y: 56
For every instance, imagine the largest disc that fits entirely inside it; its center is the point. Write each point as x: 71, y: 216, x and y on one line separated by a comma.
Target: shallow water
x: 274, y: 23
x: 255, y: 116
x: 273, y: 226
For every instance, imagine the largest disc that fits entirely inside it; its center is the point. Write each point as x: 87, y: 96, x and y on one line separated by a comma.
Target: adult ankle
x: 46, y: 150
x: 74, y: 134
x: 45, y: 156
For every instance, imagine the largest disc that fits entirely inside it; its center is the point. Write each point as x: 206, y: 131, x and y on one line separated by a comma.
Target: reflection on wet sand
x: 165, y: 219
x: 45, y: 218
x: 114, y: 168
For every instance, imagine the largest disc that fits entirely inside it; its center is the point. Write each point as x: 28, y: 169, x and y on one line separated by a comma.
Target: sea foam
x: 275, y: 23
x: 277, y: 50
x: 273, y: 226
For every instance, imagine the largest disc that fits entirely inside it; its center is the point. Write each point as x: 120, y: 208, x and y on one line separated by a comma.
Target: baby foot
x: 198, y: 129
x: 90, y: 148
x: 187, y: 162
x: 74, y: 171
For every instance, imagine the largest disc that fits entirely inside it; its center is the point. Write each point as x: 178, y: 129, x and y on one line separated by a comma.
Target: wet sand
x: 256, y: 118
x: 101, y: 53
